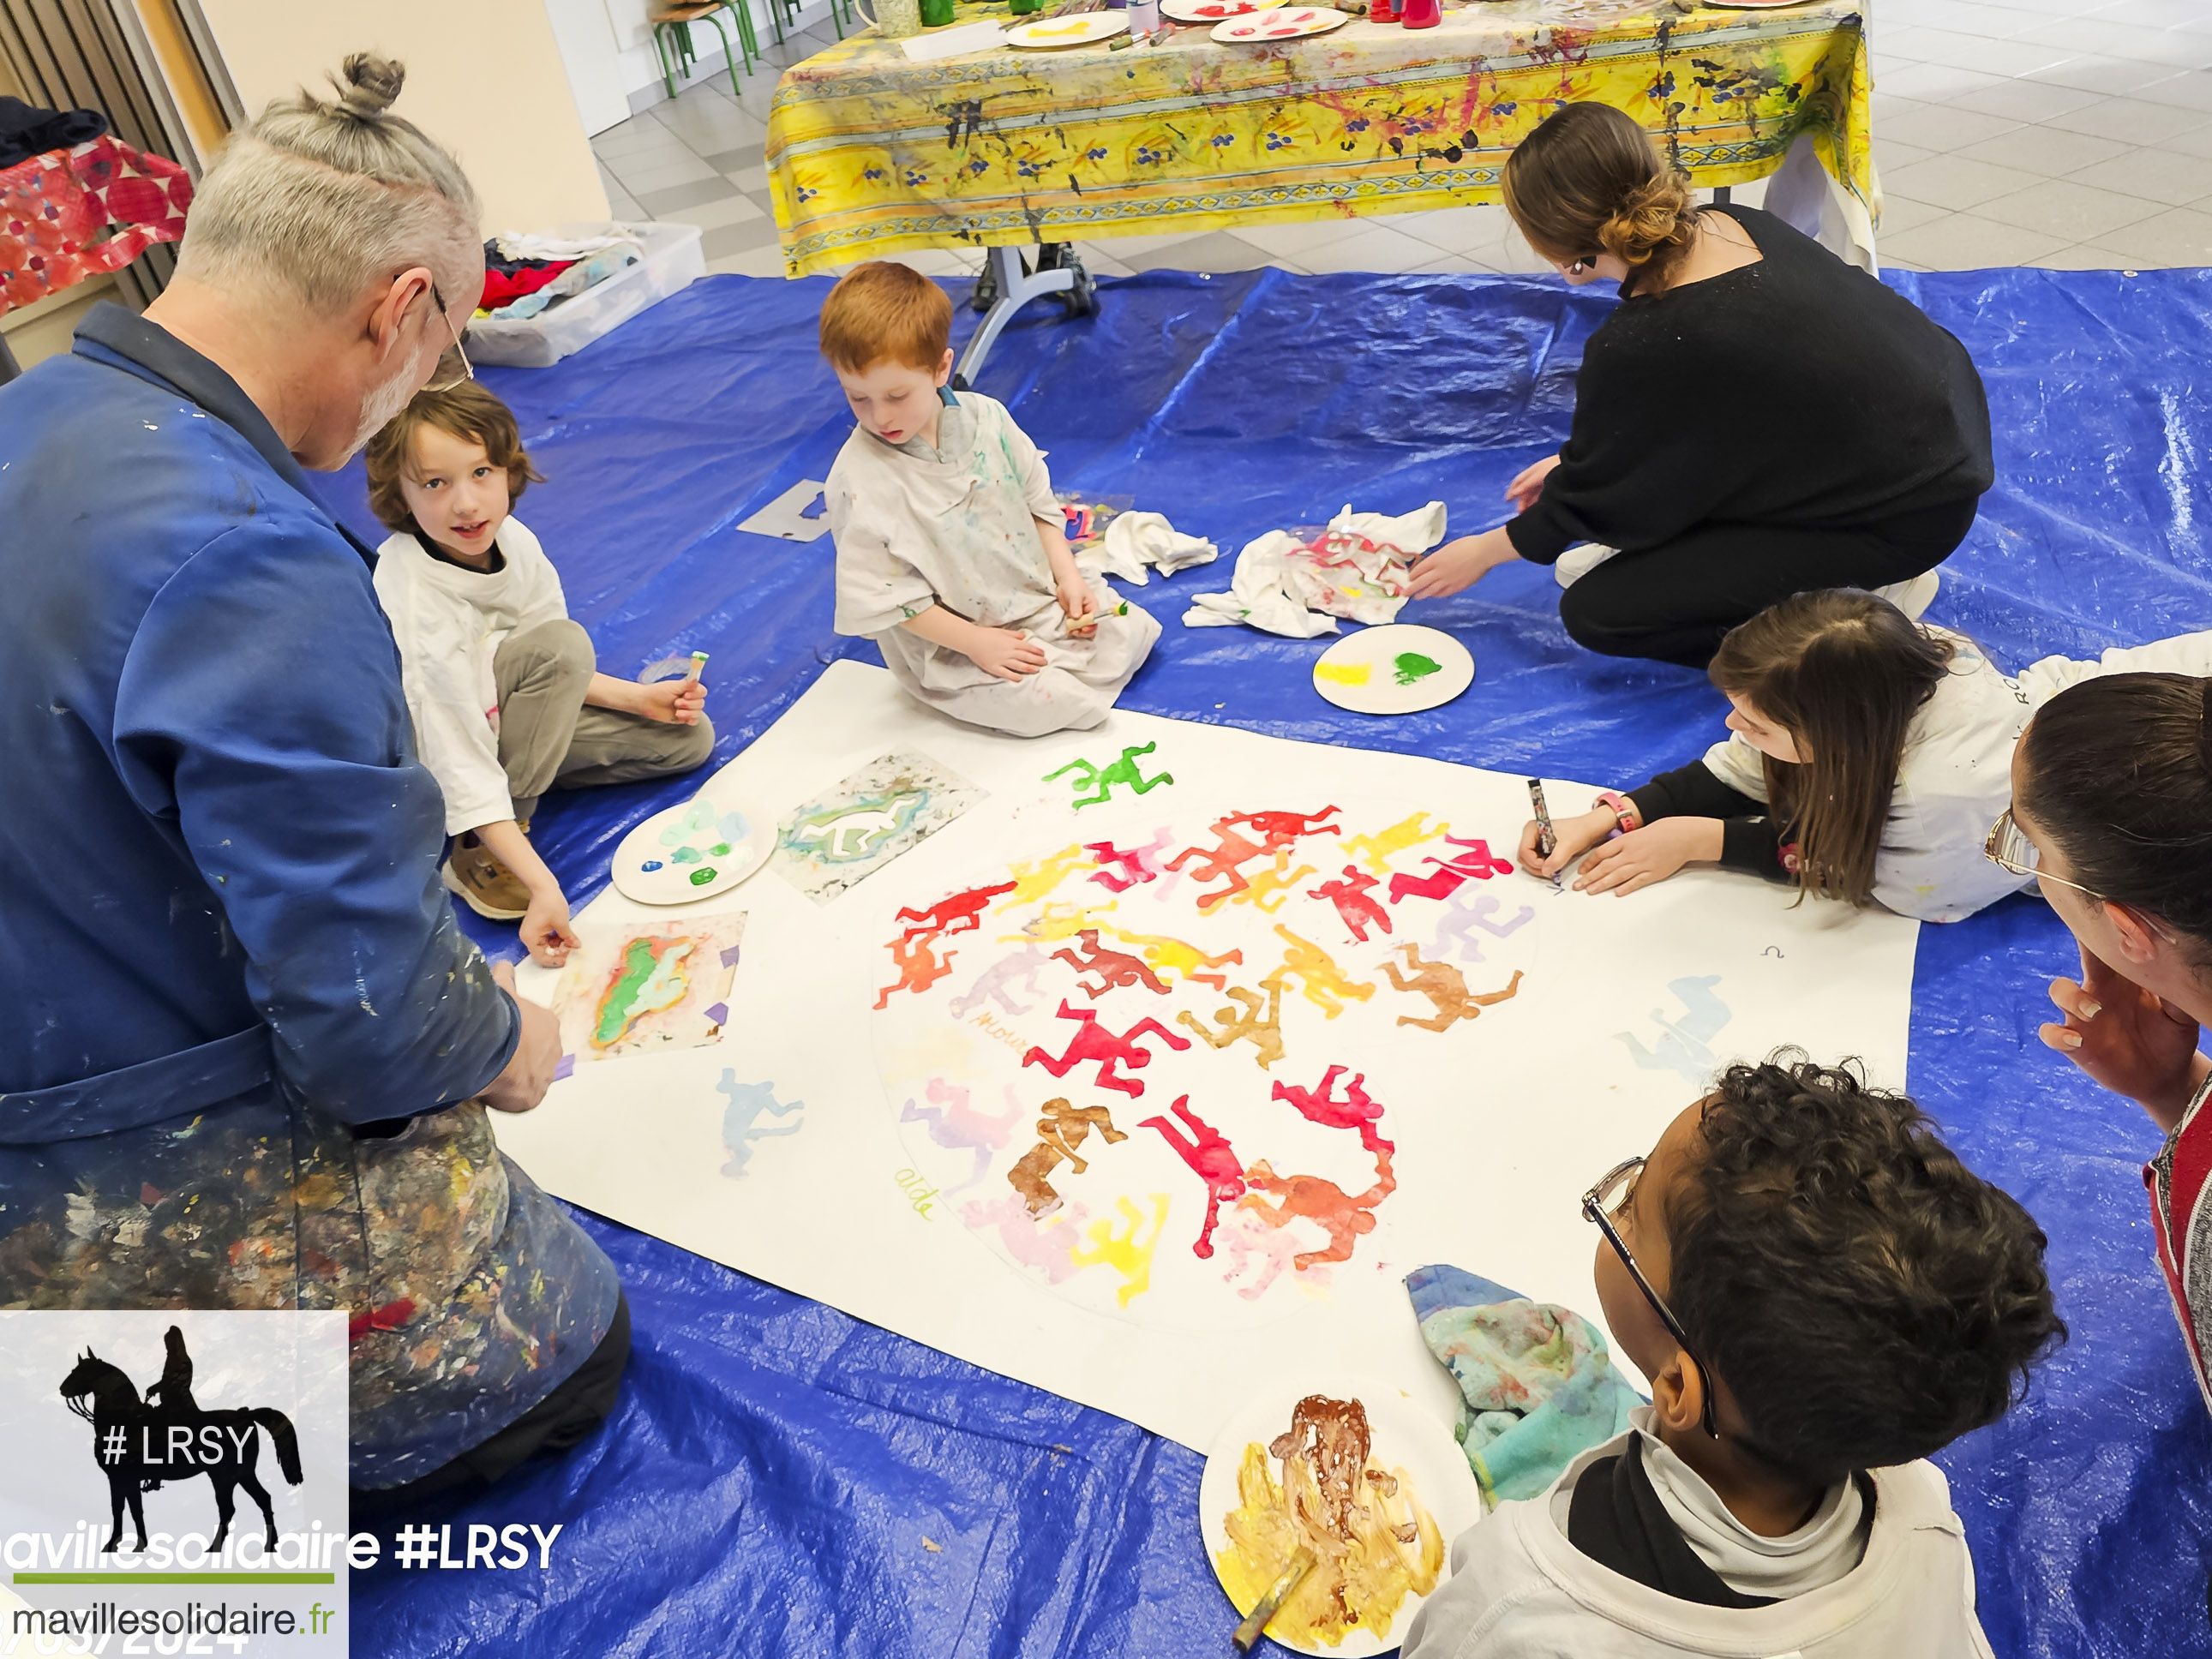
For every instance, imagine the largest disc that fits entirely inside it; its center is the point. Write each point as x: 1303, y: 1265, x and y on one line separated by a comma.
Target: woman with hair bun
x: 1758, y: 418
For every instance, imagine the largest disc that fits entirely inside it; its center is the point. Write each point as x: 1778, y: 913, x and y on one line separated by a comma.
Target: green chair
x: 671, y: 37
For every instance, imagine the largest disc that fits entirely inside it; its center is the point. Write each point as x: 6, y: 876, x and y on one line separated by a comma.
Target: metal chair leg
x: 746, y: 35
x: 660, y: 50
x: 729, y: 53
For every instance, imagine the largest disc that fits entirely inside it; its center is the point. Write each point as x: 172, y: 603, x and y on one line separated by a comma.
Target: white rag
x: 1134, y: 540
x: 1359, y: 568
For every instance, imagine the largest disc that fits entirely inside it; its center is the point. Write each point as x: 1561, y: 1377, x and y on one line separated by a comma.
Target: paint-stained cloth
x: 1537, y: 1383
x: 223, y: 946
x: 870, y: 153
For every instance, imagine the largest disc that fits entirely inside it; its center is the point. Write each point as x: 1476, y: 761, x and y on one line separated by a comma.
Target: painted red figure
x: 1136, y: 863
x: 1353, y: 908
x: 1114, y: 969
x: 1225, y: 857
x: 1477, y: 864
x: 918, y: 965
x: 1280, y: 829
x: 1094, y: 1042
x: 961, y: 913
x: 1357, y: 1110
x: 1212, y: 1159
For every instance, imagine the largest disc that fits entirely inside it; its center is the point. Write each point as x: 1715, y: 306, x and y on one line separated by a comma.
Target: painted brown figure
x: 1444, y: 985
x: 1343, y: 1217
x: 1114, y: 969
x: 1061, y: 1132
x: 1353, y: 908
x: 1264, y: 1033
x: 1212, y: 1159
x: 1332, y: 1439
x: 1093, y: 1042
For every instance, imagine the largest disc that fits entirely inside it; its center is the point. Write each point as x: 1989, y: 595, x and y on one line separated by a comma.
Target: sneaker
x: 1578, y: 562
x: 484, y: 884
x: 1913, y: 597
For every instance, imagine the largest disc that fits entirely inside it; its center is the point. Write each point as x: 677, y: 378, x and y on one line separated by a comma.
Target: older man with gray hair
x: 244, y: 1054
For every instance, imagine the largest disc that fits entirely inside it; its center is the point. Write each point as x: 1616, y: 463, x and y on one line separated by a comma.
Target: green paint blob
x: 651, y: 978
x: 685, y: 856
x: 1412, y: 665
x: 719, y: 850
x: 701, y: 877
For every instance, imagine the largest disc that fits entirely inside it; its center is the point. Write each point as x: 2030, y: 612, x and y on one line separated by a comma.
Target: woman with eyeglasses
x: 2112, y: 814
x: 1757, y: 418
x: 1868, y: 754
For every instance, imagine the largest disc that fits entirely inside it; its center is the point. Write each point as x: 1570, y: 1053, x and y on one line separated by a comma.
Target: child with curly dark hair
x: 1822, y: 1296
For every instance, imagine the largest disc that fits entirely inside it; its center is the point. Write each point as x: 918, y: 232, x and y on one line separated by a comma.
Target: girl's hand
x: 1455, y: 565
x: 1078, y: 601
x: 1003, y: 653
x: 2126, y: 1039
x: 1529, y: 485
x: 1573, y: 837
x: 673, y: 702
x: 546, y: 928
x: 1649, y: 854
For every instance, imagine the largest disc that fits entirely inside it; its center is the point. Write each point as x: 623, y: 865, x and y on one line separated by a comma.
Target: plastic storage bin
x: 672, y: 261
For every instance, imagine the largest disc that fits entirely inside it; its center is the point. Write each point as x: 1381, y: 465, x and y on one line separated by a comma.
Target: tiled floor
x: 2068, y: 133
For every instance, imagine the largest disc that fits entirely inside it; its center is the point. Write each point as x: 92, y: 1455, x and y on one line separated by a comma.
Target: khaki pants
x: 550, y: 738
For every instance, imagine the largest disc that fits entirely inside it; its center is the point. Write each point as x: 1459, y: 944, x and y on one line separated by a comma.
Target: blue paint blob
x: 651, y: 864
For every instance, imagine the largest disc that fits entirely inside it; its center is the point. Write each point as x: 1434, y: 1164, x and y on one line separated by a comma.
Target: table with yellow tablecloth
x: 870, y: 153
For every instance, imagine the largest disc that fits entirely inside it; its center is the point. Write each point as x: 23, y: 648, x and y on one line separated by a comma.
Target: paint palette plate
x: 1406, y: 1442
x: 1284, y: 23
x: 1080, y: 30
x: 1213, y: 11
x: 1397, y: 668
x: 694, y: 851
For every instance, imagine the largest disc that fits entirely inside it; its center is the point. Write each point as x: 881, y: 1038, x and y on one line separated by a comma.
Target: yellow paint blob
x: 1343, y: 673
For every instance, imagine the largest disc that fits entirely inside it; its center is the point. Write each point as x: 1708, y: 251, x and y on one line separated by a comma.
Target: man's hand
x: 544, y: 929
x: 672, y: 702
x: 2127, y: 1040
x: 1571, y: 837
x: 1650, y: 854
x: 1529, y: 484
x: 1005, y: 654
x: 529, y: 1074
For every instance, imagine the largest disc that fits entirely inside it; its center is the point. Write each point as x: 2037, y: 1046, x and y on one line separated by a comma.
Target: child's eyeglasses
x: 448, y: 376
x: 1601, y: 1204
x: 2009, y: 849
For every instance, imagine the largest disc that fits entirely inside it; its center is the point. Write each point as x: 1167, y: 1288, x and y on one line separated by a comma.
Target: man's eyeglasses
x: 1601, y: 1204
x: 449, y: 376
x: 2009, y: 849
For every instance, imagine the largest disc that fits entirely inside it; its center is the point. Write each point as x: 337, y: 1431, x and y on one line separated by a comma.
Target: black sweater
x: 1795, y: 391
x: 1751, y: 840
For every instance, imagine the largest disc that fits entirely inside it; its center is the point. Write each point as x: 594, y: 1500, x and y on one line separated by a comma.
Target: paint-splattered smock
x: 953, y: 526
x: 223, y: 941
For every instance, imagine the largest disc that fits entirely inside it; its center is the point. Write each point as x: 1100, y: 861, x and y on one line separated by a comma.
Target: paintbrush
x: 1248, y: 1634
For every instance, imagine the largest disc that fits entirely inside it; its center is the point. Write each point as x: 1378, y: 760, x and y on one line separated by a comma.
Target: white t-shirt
x: 1518, y: 1589
x: 449, y: 621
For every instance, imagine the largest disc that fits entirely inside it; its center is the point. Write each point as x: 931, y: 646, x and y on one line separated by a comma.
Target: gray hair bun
x: 369, y: 85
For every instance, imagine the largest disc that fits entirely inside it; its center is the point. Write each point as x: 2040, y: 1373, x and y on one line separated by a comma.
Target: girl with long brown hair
x: 1756, y: 419
x: 1870, y: 754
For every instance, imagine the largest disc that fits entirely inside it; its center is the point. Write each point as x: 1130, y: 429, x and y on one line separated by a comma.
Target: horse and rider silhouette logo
x: 139, y: 1445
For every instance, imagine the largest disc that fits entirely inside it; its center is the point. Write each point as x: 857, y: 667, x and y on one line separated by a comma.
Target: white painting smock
x: 955, y: 525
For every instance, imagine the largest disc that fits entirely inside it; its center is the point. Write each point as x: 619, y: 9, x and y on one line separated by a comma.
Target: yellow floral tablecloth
x: 869, y: 153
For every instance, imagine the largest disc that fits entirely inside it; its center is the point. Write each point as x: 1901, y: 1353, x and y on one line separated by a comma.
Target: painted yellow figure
x: 1182, y: 959
x: 1033, y: 881
x: 1264, y: 1034
x: 1062, y: 921
x: 1275, y: 883
x: 1325, y: 985
x: 1374, y: 850
x: 1121, y: 1251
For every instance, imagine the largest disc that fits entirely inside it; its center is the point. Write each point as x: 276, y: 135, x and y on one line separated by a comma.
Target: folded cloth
x: 574, y: 280
x: 1359, y: 568
x: 1134, y: 540
x: 27, y: 131
x: 1537, y: 1383
x: 513, y: 245
x: 503, y: 287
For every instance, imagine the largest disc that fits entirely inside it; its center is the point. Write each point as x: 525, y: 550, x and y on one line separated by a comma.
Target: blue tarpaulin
x: 780, y: 1479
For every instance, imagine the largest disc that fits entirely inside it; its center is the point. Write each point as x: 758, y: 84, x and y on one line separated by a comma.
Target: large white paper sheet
x: 888, y: 1160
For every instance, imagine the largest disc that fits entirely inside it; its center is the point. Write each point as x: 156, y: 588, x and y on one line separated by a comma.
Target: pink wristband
x: 1623, y: 809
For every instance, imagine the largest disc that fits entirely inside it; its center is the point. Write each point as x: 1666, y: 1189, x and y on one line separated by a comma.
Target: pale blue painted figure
x: 1686, y: 1044
x: 748, y: 1102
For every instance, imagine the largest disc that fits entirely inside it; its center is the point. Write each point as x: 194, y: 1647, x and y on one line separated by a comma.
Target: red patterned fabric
x: 70, y: 214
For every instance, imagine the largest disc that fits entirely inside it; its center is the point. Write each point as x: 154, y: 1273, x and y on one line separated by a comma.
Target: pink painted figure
x: 1340, y: 1215
x: 1353, y: 908
x: 1456, y: 932
x: 918, y: 965
x: 1212, y: 1159
x: 1093, y: 1042
x: 1246, y: 1236
x: 1264, y: 1032
x: 1041, y: 1242
x: 1477, y: 863
x: 1279, y: 830
x: 1114, y: 969
x: 1445, y: 986
x: 996, y: 983
x: 954, y: 1124
x: 961, y: 913
x: 1224, y: 859
x: 1138, y: 864
x: 1357, y: 1110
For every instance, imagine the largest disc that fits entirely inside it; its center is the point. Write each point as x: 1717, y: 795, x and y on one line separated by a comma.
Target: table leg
x: 1015, y: 287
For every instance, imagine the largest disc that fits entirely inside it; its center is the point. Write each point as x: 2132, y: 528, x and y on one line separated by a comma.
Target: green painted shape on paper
x: 1413, y: 665
x: 652, y: 978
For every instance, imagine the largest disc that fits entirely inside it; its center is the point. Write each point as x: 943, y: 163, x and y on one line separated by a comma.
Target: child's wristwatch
x: 1624, y: 810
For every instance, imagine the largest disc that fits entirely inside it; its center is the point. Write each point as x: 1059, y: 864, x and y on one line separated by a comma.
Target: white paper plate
x: 1079, y: 30
x: 1212, y: 11
x: 1405, y: 1436
x: 693, y: 851
x: 1397, y: 668
x: 1282, y: 23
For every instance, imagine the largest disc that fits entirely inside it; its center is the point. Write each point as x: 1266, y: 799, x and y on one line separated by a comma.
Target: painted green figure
x: 1413, y: 665
x: 651, y: 977
x: 1103, y: 778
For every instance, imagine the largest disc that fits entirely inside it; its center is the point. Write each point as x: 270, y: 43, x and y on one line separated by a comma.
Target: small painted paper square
x: 640, y: 988
x: 861, y: 824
